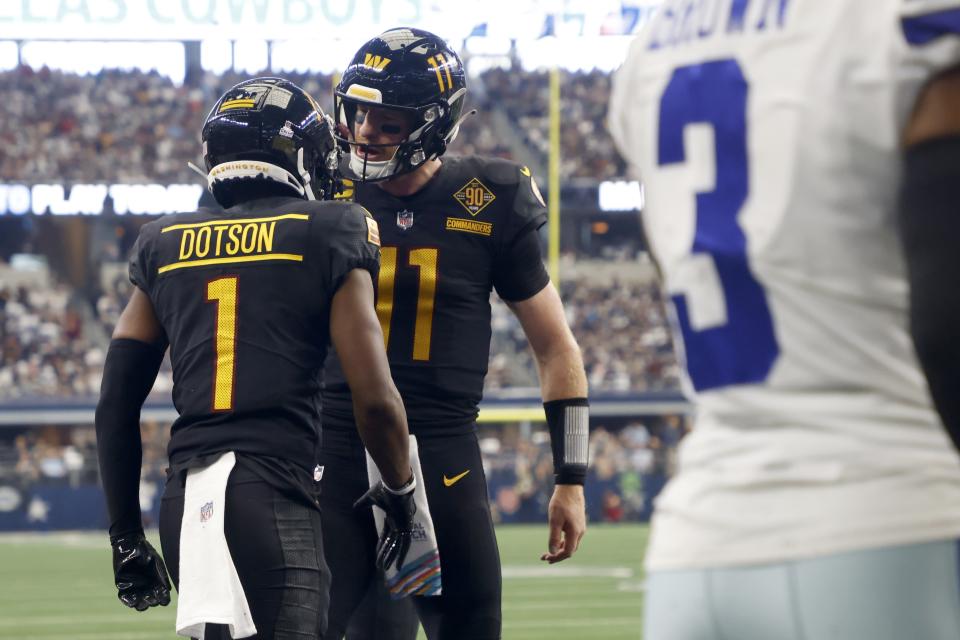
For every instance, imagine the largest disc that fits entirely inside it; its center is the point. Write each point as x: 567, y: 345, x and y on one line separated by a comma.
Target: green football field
x: 59, y: 587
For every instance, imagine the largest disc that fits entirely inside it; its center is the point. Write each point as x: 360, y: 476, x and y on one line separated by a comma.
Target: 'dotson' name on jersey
x: 227, y: 239
x: 681, y: 22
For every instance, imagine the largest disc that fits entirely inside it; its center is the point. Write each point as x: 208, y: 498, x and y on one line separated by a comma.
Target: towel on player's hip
x: 420, y: 574
x: 210, y: 589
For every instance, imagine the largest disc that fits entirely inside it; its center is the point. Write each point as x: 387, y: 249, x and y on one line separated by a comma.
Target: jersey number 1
x: 425, y: 261
x: 223, y: 291
x: 736, y: 345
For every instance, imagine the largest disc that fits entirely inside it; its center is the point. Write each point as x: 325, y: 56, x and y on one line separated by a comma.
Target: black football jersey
x: 444, y: 250
x: 244, y: 297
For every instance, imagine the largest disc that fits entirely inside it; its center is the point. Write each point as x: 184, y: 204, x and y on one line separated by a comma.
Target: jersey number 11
x: 425, y: 261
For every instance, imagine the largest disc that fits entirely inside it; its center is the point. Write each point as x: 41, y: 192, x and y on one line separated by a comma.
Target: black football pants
x: 277, y: 548
x: 380, y: 617
x: 469, y: 608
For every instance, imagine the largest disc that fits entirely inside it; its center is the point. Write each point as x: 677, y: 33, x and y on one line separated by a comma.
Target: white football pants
x: 896, y: 593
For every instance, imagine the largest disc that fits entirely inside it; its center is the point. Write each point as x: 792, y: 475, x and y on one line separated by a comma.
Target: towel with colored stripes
x: 420, y: 574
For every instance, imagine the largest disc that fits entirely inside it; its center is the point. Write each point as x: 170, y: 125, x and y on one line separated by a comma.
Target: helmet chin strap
x: 372, y: 169
x: 305, y: 176
x: 455, y: 129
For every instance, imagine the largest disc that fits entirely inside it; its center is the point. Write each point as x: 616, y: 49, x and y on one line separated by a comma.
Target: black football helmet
x: 409, y: 70
x: 270, y: 130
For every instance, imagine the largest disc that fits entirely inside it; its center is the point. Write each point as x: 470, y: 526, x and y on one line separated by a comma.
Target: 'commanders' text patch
x: 469, y: 226
x: 474, y: 196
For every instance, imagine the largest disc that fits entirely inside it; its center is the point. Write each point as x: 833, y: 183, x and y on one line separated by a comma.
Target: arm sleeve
x: 354, y: 245
x: 129, y: 372
x: 930, y: 224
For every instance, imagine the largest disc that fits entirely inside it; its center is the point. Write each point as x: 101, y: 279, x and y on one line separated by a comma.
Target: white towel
x: 210, y: 589
x: 420, y: 574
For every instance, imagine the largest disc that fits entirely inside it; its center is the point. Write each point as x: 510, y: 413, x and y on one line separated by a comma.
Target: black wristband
x: 569, y: 424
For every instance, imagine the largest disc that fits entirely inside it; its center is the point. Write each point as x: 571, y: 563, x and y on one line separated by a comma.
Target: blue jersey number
x: 735, y: 343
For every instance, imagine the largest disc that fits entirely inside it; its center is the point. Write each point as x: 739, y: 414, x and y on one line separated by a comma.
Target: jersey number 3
x: 734, y: 341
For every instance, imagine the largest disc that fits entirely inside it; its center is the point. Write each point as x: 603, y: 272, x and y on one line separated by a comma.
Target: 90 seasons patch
x: 474, y: 196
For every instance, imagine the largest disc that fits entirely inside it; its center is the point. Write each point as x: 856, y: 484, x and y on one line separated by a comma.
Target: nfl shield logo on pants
x: 206, y: 512
x: 404, y: 219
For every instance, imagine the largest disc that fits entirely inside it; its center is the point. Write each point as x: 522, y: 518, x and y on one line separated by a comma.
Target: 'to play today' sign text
x: 94, y: 199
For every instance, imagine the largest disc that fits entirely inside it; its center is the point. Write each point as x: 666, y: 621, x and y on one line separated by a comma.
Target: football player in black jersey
x: 453, y: 231
x: 248, y: 299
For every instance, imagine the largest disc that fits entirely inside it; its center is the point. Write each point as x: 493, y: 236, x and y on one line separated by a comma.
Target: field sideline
x: 59, y: 587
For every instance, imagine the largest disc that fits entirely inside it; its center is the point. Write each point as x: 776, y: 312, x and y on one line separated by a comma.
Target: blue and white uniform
x: 767, y: 135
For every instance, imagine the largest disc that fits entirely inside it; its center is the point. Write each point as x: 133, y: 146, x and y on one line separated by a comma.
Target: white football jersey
x: 767, y: 134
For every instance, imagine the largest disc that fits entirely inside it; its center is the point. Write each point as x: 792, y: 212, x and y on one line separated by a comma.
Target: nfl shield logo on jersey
x: 206, y: 512
x: 404, y: 219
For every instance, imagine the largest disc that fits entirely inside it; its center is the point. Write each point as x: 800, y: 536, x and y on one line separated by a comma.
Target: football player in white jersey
x: 818, y: 495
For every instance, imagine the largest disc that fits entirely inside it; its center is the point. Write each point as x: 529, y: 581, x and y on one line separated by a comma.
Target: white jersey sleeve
x: 767, y: 134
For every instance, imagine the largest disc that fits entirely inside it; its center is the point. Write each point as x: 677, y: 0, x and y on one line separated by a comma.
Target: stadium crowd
x: 46, y: 345
x: 622, y: 332
x: 53, y: 343
x: 630, y: 464
x: 133, y: 126
x: 53, y: 340
x: 586, y: 148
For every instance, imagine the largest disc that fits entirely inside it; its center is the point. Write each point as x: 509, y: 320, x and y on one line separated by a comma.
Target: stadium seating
x: 57, y: 467
x: 131, y: 126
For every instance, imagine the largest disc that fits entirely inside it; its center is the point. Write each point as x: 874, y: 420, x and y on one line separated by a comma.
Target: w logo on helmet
x: 377, y: 63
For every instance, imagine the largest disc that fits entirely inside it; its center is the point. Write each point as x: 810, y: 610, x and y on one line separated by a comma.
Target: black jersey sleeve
x: 518, y: 271
x: 139, y: 268
x: 529, y: 211
x: 355, y: 245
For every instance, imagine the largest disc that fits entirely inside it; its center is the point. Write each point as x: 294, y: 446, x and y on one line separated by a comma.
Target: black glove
x: 139, y: 572
x: 399, y: 508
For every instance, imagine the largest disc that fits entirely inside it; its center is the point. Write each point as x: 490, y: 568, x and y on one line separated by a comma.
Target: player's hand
x: 399, y: 508
x: 568, y: 522
x: 139, y: 572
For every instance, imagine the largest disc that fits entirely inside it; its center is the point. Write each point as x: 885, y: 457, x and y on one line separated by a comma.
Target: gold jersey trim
x: 209, y: 261
x: 229, y: 221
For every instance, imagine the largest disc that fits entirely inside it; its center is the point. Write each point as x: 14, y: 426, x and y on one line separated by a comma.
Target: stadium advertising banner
x: 157, y: 199
x: 94, y: 199
x: 179, y: 20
